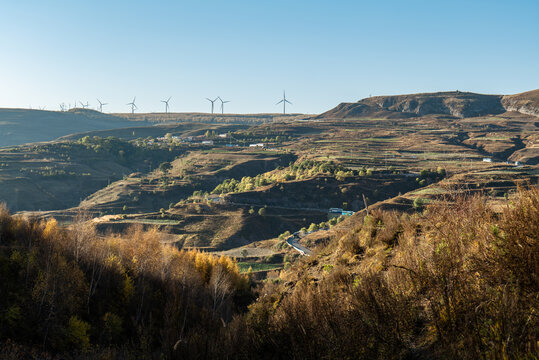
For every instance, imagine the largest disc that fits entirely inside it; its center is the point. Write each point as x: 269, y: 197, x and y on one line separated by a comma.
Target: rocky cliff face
x: 456, y: 104
x: 525, y: 103
x: 453, y: 103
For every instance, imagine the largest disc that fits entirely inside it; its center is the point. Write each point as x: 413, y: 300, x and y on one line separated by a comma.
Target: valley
x: 204, y: 184
x: 276, y: 203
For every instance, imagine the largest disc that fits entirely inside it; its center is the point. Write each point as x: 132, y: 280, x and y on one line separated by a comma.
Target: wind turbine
x: 62, y: 107
x: 212, y: 101
x: 223, y: 104
x: 101, y: 104
x: 133, y: 106
x: 284, y: 101
x: 84, y: 106
x: 166, y: 104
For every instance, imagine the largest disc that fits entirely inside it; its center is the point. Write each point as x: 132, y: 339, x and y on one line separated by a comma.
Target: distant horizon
x: 321, y: 53
x: 158, y: 112
x: 248, y: 113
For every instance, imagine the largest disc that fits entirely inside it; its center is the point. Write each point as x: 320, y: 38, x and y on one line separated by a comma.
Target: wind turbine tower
x: 101, y: 104
x: 133, y: 106
x: 212, y: 102
x: 223, y: 104
x: 166, y: 104
x: 284, y: 101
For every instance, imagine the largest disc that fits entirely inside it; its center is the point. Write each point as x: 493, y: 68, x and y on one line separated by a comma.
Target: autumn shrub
x: 458, y: 281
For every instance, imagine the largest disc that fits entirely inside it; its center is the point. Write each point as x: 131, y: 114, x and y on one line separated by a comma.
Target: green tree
x: 77, y: 333
x: 418, y: 203
x: 112, y: 325
x: 284, y: 235
x: 164, y: 167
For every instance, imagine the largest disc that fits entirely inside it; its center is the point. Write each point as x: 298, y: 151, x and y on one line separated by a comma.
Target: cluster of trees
x: 124, y: 152
x: 75, y: 292
x: 315, y: 227
x: 295, y: 171
x: 323, y: 225
x: 50, y: 171
x: 428, y: 176
x: 246, y: 183
x: 244, y: 137
x: 307, y: 168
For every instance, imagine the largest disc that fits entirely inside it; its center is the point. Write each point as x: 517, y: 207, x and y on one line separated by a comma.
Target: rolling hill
x: 453, y: 103
x: 20, y: 126
x: 525, y: 103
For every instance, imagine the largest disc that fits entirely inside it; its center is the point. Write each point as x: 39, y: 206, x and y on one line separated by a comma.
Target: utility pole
x: 366, y: 206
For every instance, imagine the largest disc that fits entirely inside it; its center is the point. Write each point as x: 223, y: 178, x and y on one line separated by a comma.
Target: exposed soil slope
x: 525, y: 103
x: 452, y: 103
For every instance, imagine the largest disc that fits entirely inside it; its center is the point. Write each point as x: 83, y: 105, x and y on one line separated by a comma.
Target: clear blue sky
x: 321, y: 52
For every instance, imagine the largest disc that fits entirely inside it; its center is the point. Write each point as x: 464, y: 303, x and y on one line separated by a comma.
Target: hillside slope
x: 452, y: 103
x: 458, y: 281
x: 207, y: 118
x: 525, y: 103
x: 20, y: 126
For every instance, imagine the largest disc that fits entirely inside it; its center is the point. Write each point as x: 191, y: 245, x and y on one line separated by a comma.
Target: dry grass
x: 458, y: 281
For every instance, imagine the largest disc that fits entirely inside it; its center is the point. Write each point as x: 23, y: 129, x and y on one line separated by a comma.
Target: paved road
x: 293, y: 241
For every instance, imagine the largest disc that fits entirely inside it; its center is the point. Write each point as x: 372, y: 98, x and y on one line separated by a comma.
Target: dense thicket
x: 74, y: 292
x: 458, y: 281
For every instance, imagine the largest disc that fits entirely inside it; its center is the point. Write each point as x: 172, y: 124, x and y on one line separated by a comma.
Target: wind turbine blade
x: 169, y: 99
x: 288, y: 102
x: 279, y: 102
